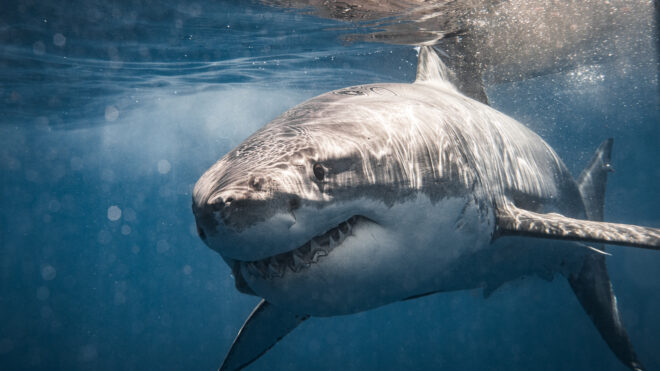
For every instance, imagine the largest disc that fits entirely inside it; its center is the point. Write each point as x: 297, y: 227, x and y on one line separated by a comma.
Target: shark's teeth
x: 274, y: 268
x: 304, y: 256
x: 253, y: 269
x: 261, y: 267
x: 273, y: 271
x: 305, y: 249
x: 314, y: 246
x: 298, y: 263
x: 335, y: 234
x: 318, y: 254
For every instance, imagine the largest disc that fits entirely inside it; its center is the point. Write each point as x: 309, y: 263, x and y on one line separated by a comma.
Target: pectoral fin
x: 513, y: 221
x: 265, y: 326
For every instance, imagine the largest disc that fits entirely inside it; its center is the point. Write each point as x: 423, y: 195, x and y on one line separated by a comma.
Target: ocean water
x: 109, y: 113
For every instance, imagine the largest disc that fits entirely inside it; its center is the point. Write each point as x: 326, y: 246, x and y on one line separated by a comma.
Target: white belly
x: 404, y: 255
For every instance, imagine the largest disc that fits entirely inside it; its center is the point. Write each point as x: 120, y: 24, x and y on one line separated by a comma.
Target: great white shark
x: 373, y: 194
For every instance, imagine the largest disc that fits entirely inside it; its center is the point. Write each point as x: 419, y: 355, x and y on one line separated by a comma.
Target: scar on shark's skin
x: 400, y: 191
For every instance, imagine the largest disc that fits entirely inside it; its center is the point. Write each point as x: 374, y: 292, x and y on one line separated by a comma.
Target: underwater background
x: 110, y: 112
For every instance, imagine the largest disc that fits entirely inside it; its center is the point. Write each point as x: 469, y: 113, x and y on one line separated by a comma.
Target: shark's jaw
x: 367, y: 261
x: 301, y: 258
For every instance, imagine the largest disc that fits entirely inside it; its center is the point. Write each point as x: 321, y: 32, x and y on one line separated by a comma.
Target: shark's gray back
x: 424, y: 137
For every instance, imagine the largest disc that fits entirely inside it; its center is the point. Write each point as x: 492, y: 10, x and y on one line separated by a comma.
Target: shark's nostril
x: 218, y: 205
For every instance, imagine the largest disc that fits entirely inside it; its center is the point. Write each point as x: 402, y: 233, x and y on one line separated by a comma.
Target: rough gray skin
x: 377, y: 193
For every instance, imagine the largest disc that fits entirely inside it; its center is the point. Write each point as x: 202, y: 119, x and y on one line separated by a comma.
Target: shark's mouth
x: 304, y: 256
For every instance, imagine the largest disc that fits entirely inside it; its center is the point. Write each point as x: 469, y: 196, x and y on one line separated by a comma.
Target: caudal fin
x: 592, y: 284
x: 594, y: 290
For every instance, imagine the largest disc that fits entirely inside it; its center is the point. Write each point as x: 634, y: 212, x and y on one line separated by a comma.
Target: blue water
x: 110, y: 112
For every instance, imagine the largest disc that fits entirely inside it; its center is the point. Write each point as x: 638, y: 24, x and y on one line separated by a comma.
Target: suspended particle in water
x: 187, y: 269
x: 164, y: 166
x: 59, y: 39
x: 111, y: 113
x: 54, y: 205
x: 104, y: 237
x: 114, y: 213
x: 38, y: 48
x: 48, y: 272
x: 125, y: 230
x: 88, y: 353
x: 162, y: 246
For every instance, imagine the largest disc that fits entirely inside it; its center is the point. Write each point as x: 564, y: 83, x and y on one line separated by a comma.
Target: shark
x: 379, y: 193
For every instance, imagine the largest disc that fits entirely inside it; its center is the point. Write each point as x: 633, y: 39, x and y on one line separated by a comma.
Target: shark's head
x: 286, y: 184
x: 312, y: 201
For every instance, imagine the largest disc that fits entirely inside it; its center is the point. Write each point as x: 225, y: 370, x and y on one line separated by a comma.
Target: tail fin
x: 592, y: 284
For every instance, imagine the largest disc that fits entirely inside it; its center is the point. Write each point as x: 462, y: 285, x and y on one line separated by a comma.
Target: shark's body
x: 378, y: 193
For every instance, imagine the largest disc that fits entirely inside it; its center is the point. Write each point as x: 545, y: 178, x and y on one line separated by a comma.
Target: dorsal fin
x: 593, y: 179
x: 463, y: 77
x: 430, y: 67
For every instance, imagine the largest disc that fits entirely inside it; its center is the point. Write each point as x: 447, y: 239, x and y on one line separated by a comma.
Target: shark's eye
x: 319, y: 171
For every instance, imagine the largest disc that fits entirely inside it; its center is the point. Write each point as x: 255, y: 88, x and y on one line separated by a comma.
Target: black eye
x: 319, y: 171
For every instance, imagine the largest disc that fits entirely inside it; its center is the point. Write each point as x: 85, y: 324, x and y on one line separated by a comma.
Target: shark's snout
x: 249, y: 217
x: 220, y: 211
x: 205, y: 216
